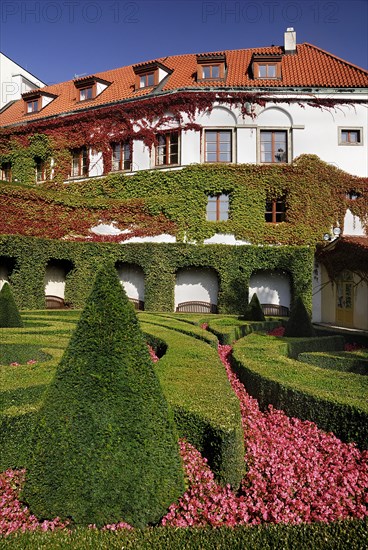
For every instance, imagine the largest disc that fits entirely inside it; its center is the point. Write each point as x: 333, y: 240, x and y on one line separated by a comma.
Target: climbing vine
x: 154, y: 202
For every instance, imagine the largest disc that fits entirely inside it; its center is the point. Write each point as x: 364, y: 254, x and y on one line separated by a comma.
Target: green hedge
x: 334, y: 401
x: 206, y: 410
x: 228, y: 330
x: 326, y: 343
x: 233, y: 265
x: 317, y: 536
x: 194, y: 380
x: 344, y: 361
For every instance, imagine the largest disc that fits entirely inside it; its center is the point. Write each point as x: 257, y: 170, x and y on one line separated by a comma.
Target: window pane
x: 262, y: 71
x: 206, y: 71
x: 225, y: 157
x: 271, y: 71
x: 150, y: 79
x: 215, y: 71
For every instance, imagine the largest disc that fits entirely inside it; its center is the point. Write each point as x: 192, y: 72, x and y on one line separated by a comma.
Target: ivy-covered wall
x: 234, y: 265
x: 174, y: 202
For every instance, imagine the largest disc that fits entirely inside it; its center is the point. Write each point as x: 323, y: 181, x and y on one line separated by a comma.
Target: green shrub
x: 338, y: 535
x: 295, y: 346
x: 344, y: 361
x: 335, y: 401
x: 9, y: 314
x: 254, y: 311
x: 105, y: 445
x: 299, y: 323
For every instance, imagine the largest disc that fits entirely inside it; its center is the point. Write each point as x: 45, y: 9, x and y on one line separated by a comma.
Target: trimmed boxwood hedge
x: 206, y: 410
x: 234, y: 266
x: 9, y: 314
x: 343, y: 361
x: 339, y: 535
x: 335, y: 402
x: 105, y: 443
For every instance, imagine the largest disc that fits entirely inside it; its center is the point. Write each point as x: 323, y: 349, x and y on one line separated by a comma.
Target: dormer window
x: 86, y: 93
x: 211, y: 66
x: 32, y: 106
x: 147, y: 79
x: 266, y: 67
x: 148, y: 75
x: 89, y: 87
x: 36, y: 100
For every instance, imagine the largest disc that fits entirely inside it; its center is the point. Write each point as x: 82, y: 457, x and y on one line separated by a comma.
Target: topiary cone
x: 9, y: 314
x: 106, y: 448
x: 299, y: 324
x: 254, y: 311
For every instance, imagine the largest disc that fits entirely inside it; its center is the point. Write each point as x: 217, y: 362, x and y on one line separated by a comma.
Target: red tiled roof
x: 309, y: 67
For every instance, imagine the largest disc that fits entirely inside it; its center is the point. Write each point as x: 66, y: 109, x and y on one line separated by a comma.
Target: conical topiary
x: 9, y: 314
x: 254, y: 311
x: 106, y: 449
x: 299, y: 323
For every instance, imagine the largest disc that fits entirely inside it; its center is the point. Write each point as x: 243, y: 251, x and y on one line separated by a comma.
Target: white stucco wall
x: 3, y: 276
x: 317, y: 294
x: 353, y: 225
x: 195, y: 284
x: 190, y: 147
x: 14, y: 80
x: 141, y: 156
x: 271, y: 288
x: 95, y: 163
x: 132, y: 278
x: 55, y: 281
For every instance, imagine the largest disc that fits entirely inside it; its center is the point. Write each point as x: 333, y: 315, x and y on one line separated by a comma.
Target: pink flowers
x: 279, y: 331
x: 295, y: 473
x: 152, y: 354
x: 204, y: 326
x: 353, y: 347
x: 13, y: 514
x: 31, y: 362
x: 14, y: 364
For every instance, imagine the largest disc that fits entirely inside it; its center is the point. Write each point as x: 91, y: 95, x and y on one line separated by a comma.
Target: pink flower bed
x: 279, y: 331
x: 14, y: 515
x: 295, y: 473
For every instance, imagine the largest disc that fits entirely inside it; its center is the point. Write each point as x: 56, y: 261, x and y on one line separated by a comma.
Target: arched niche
x: 273, y: 289
x: 55, y: 278
x: 274, y: 117
x: 131, y: 277
x: 7, y: 265
x: 196, y: 290
x: 219, y: 116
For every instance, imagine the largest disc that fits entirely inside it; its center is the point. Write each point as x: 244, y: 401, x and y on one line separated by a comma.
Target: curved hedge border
x: 343, y: 361
x: 334, y: 401
x: 206, y: 410
x: 233, y: 264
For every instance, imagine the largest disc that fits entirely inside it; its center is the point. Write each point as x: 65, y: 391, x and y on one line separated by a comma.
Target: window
x: 79, y: 162
x: 211, y: 66
x: 276, y: 210
x: 32, y: 106
x: 86, y: 93
x: 167, y: 150
x: 6, y: 174
x: 147, y: 79
x: 351, y: 136
x: 267, y: 70
x: 217, y: 208
x: 121, y: 156
x: 273, y: 146
x: 40, y: 170
x: 218, y: 146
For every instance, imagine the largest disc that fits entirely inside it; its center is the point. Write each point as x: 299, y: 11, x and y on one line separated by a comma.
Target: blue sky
x: 58, y: 39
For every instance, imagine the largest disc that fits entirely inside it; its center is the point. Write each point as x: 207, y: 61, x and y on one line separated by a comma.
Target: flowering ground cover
x: 295, y: 473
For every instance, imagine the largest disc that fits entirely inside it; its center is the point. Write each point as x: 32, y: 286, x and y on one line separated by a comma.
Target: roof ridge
x: 335, y: 57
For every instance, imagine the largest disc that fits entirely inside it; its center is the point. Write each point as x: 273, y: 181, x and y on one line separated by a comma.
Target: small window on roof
x: 266, y: 66
x: 211, y: 66
x: 33, y: 106
x: 86, y: 93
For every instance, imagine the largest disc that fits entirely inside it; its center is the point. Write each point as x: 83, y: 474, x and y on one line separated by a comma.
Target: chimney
x: 290, y: 41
